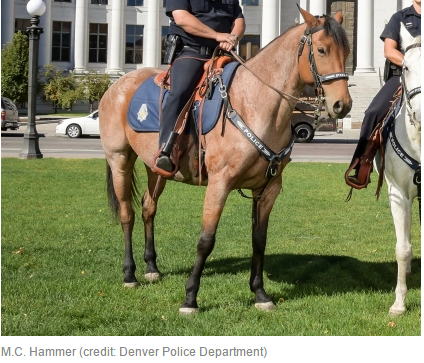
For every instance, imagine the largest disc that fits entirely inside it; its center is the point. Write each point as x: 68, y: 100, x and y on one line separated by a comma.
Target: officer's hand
x: 231, y: 39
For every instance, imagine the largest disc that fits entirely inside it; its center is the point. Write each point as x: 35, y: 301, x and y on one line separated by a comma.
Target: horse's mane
x: 333, y: 28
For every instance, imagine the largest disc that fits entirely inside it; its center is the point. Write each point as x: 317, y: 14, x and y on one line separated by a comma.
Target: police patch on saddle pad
x: 143, y: 112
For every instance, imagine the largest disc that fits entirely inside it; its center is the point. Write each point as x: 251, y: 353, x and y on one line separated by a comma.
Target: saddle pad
x: 143, y: 112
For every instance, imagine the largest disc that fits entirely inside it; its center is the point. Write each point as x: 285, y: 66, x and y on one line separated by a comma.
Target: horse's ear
x: 405, y: 37
x: 310, y: 20
x: 339, y: 16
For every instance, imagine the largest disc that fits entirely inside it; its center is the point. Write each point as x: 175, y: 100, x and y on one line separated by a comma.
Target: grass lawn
x: 330, y: 266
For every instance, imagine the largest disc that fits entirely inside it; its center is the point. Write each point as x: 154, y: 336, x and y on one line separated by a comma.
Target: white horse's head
x: 411, y: 74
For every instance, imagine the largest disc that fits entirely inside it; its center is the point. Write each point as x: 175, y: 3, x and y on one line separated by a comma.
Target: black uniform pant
x: 185, y: 74
x: 376, y: 111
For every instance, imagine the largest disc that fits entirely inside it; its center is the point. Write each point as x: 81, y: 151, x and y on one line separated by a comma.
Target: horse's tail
x: 112, y: 198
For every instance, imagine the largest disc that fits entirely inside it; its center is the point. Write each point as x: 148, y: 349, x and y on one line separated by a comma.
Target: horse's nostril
x: 338, y: 107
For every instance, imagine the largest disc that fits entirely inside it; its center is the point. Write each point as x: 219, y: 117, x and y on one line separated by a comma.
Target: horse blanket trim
x: 143, y: 111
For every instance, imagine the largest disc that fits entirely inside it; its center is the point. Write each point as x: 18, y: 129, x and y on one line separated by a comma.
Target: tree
x: 92, y: 87
x: 60, y: 89
x: 14, y: 69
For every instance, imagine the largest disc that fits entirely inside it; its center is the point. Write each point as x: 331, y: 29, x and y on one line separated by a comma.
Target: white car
x: 76, y: 127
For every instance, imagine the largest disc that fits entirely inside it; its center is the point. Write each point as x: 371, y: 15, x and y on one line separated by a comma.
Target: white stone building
x: 118, y: 36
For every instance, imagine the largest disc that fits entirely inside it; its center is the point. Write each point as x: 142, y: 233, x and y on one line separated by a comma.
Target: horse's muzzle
x: 340, y: 108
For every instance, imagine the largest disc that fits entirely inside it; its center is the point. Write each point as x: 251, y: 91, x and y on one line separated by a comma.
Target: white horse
x: 403, y: 155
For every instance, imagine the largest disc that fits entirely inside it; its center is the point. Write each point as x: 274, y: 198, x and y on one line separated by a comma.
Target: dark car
x: 303, y: 118
x: 9, y: 115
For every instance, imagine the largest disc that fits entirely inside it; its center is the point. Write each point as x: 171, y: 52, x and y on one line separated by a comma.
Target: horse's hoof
x: 188, y: 311
x: 268, y: 306
x: 131, y: 285
x: 396, y: 312
x: 152, y: 276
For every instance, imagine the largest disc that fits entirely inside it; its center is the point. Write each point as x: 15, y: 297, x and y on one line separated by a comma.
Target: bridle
x: 318, y: 79
x: 413, y: 92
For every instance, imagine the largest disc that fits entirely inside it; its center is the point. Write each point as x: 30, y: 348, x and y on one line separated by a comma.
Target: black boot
x: 164, y: 161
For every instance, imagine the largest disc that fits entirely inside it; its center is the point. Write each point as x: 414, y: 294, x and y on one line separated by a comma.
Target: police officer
x: 201, y: 26
x: 380, y: 105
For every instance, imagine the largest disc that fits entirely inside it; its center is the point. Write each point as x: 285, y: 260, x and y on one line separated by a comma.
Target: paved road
x: 326, y: 146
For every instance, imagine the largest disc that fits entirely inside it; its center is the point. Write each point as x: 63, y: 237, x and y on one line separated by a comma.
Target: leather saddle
x: 213, y: 66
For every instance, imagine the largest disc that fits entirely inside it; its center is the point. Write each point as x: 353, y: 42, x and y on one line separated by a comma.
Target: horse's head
x: 323, y: 64
x: 411, y: 74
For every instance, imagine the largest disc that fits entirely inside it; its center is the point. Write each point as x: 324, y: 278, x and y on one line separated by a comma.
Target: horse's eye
x: 321, y: 51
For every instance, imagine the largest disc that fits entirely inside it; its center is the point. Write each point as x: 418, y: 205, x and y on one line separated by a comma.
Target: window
x: 164, y: 3
x: 97, y: 43
x: 135, y: 2
x: 250, y: 2
x: 134, y: 44
x: 165, y: 30
x: 61, y: 41
x: 62, y: 1
x: 249, y: 46
x: 99, y: 2
x: 22, y: 25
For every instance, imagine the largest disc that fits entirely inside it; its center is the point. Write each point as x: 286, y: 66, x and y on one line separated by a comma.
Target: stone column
x: 365, y: 49
x: 46, y: 22
x: 318, y: 7
x: 270, y: 21
x: 116, y: 51
x: 7, y: 22
x: 152, y: 47
x: 81, y: 35
x: 406, y: 4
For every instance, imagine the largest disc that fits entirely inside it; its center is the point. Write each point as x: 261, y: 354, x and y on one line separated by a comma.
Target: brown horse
x: 264, y: 95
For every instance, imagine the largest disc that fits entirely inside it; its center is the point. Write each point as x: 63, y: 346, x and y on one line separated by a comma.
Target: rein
x: 318, y: 79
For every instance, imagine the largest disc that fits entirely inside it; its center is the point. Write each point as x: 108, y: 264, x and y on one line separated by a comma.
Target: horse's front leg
x: 401, y: 207
x: 261, y: 210
x: 215, y: 198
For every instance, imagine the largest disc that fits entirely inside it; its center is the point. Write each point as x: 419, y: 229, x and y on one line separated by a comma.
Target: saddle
x: 376, y: 142
x: 212, y: 67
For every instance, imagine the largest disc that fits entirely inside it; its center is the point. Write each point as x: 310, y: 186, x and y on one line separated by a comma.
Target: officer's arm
x: 391, y: 52
x: 238, y: 28
x: 190, y: 24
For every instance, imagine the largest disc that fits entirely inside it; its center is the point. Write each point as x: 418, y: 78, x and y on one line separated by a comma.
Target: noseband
x: 318, y: 80
x: 413, y: 92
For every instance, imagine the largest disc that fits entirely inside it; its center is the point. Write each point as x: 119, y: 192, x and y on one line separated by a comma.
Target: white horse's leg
x: 401, y: 207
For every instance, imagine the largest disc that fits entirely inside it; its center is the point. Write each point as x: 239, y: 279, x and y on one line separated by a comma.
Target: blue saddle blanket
x: 143, y: 112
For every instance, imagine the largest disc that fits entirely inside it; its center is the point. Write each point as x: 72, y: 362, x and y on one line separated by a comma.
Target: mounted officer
x: 380, y: 105
x: 197, y: 27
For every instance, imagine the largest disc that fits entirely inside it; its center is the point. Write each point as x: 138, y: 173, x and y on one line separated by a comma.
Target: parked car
x: 78, y: 126
x: 9, y: 115
x: 303, y: 118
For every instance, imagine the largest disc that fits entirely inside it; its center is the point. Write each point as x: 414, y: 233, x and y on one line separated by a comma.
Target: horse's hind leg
x: 401, y: 208
x: 149, y: 205
x: 122, y: 168
x: 261, y: 211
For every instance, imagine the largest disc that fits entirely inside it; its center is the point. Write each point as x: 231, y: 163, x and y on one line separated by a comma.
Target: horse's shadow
x: 319, y: 274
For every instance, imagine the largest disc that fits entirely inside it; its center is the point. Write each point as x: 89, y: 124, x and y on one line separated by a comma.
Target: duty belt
x: 201, y: 50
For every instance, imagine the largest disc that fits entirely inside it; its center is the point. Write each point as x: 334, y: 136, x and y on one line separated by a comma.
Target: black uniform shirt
x: 409, y: 17
x: 216, y: 14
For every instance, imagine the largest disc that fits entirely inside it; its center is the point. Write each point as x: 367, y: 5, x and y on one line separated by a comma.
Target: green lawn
x: 330, y: 265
